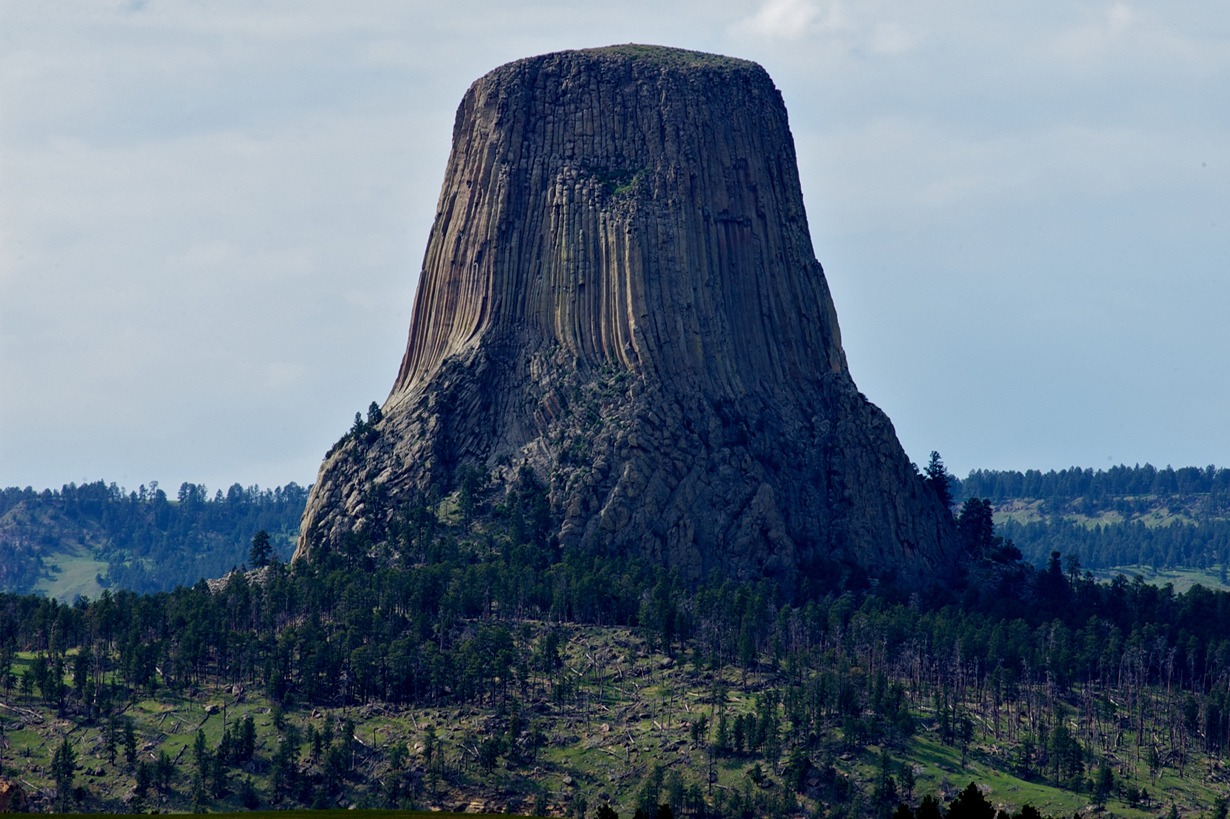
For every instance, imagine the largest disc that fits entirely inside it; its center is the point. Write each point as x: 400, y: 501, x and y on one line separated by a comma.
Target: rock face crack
x: 619, y: 290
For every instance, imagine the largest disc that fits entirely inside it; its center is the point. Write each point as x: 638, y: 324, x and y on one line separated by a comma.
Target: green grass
x: 1160, y: 514
x: 317, y: 814
x: 940, y: 762
x: 672, y: 56
x: 602, y: 751
x: 78, y: 576
x: 944, y: 763
x: 1181, y: 579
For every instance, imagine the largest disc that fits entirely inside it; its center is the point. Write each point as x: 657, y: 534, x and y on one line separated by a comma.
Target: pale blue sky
x: 212, y: 216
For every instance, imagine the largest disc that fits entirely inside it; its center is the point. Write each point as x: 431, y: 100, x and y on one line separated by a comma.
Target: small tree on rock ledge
x: 939, y: 480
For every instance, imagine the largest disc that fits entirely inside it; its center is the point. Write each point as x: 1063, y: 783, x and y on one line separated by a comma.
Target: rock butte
x: 620, y: 291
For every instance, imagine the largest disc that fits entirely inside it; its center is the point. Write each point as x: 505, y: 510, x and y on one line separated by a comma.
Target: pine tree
x: 971, y: 804
x: 939, y: 480
x: 130, y: 744
x: 1104, y: 785
x: 63, y: 769
x: 262, y: 551
x: 929, y: 809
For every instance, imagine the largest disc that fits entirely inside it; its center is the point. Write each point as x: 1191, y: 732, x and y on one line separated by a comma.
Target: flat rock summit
x: 620, y: 292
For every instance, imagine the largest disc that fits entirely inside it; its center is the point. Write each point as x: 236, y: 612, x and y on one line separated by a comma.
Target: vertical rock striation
x: 620, y: 291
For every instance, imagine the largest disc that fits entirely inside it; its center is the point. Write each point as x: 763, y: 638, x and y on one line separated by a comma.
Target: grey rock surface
x: 620, y: 291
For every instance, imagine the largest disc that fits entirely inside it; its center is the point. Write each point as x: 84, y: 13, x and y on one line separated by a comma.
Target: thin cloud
x: 1120, y: 37
x: 893, y: 39
x: 787, y: 19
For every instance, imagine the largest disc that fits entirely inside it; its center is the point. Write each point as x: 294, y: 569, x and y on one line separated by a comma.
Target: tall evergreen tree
x: 939, y: 480
x: 63, y: 770
x: 262, y: 550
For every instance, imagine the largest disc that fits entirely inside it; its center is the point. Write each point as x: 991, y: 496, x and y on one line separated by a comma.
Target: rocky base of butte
x: 619, y: 292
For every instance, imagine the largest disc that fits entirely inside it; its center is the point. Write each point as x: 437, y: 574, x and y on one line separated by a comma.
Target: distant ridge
x: 82, y: 539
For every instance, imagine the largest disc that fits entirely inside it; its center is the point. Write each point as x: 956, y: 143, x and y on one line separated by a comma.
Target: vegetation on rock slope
x: 460, y: 660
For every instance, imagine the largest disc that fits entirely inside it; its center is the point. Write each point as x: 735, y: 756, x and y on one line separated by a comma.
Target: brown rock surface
x: 12, y: 797
x: 620, y: 291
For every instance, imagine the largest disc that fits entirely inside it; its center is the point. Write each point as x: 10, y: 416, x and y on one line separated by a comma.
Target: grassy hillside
x: 458, y: 660
x: 71, y: 572
x: 1126, y: 516
x: 78, y: 540
x: 643, y: 732
x: 314, y: 814
x: 1181, y: 580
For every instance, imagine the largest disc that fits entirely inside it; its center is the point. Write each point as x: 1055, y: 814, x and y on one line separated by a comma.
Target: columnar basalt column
x: 620, y: 291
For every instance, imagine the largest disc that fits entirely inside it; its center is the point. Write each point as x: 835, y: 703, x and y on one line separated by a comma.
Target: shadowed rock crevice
x: 619, y: 290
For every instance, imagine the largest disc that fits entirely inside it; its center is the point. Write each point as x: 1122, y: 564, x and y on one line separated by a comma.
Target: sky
x: 213, y: 214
